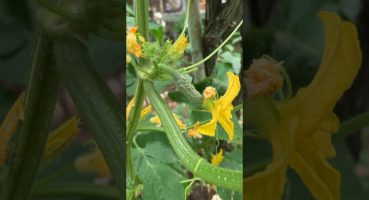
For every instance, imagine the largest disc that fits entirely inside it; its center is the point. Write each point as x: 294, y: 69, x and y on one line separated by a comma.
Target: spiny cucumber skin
x: 222, y: 177
x: 185, y: 87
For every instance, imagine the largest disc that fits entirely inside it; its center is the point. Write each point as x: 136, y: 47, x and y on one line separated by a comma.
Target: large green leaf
x: 158, y: 149
x: 160, y: 181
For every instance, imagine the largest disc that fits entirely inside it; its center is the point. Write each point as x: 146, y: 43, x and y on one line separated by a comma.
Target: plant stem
x: 288, y: 81
x: 100, y: 109
x: 133, y: 119
x: 355, y: 124
x: 187, y: 18
x: 39, y: 107
x: 214, y: 52
x: 142, y: 22
x: 195, y: 35
x: 142, y: 17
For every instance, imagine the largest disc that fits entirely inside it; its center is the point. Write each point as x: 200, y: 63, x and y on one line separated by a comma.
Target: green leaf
x: 160, y: 151
x: 100, y: 109
x: 233, y: 58
x: 233, y: 159
x: 158, y: 32
x: 160, y: 181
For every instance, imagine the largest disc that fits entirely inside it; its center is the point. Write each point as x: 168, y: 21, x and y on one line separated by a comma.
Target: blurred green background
x: 18, y: 29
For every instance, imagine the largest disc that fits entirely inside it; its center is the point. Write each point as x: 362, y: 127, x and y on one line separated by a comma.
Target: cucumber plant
x: 154, y: 64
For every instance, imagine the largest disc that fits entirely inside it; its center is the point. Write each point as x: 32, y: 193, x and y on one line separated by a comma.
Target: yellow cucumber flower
x: 193, y: 132
x: 133, y: 47
x: 221, y: 109
x: 301, y: 137
x: 181, y: 44
x: 93, y: 162
x: 144, y: 111
x: 60, y: 137
x: 9, y: 125
x: 156, y: 120
x: 217, y: 158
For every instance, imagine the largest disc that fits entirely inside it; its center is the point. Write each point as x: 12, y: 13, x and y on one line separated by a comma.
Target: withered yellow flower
x: 9, y: 125
x: 144, y: 111
x: 209, y: 92
x: 221, y: 109
x: 93, y: 162
x: 133, y: 47
x: 60, y: 137
x: 301, y: 137
x: 193, y: 131
x: 156, y: 120
x: 217, y: 158
x: 181, y: 44
x: 263, y: 78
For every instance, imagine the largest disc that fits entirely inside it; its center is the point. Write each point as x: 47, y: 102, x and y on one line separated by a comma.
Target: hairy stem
x: 39, y: 107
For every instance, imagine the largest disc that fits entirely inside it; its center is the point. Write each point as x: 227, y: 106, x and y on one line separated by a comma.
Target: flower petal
x: 61, y: 137
x: 340, y: 65
x: 227, y: 124
x: 93, y: 162
x: 323, y: 136
x: 266, y: 185
x: 145, y: 111
x: 155, y: 120
x: 129, y: 107
x: 9, y: 125
x: 269, y: 184
x: 208, y: 128
x: 232, y: 91
x: 217, y: 158
x: 319, y: 177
